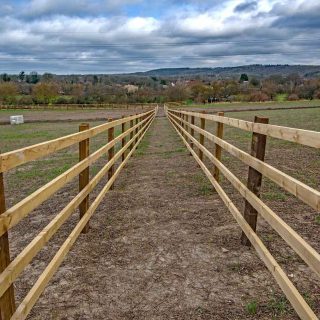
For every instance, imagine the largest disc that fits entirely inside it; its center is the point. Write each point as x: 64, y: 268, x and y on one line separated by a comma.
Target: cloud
x: 305, y: 16
x: 246, y: 6
x: 43, y: 8
x: 100, y: 36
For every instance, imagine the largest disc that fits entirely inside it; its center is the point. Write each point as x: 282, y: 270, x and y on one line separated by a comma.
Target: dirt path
x: 161, y: 246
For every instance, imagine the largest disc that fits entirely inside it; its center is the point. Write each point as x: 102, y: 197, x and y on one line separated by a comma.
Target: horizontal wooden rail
x: 304, y: 137
x: 15, y: 268
x: 18, y: 157
x: 16, y: 213
x: 35, y: 292
x: 11, y: 270
x: 295, y: 298
x: 302, y: 191
x: 302, y: 248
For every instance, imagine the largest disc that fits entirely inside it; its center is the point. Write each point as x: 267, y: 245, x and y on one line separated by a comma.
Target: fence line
x: 301, y: 136
x: 12, y: 159
x: 303, y: 249
x: 302, y: 191
x: 12, y: 270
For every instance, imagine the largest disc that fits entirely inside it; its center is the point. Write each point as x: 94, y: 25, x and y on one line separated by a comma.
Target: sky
x: 120, y: 36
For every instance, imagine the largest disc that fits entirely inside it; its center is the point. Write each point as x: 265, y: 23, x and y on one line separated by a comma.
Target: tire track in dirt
x: 161, y: 246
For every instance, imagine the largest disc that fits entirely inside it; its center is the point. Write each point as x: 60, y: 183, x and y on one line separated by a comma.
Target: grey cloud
x: 309, y: 19
x: 246, y: 6
x: 45, y: 8
x: 112, y: 45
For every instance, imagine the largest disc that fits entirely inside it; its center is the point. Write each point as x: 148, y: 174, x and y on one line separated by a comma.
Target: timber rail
x: 133, y: 129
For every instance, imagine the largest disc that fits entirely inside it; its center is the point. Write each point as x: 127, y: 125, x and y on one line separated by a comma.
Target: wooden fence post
x: 142, y: 118
x: 7, y: 301
x: 136, y: 131
x: 192, y: 131
x: 123, y: 141
x: 111, y: 152
x: 131, y: 133
x: 182, y: 124
x: 187, y: 120
x: 258, y: 147
x: 84, y: 175
x: 218, y: 149
x: 201, y: 138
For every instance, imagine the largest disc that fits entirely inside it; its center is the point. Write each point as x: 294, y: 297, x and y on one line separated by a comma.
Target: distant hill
x: 257, y: 70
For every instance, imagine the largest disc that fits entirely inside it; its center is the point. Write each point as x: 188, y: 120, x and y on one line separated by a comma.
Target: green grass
x: 280, y: 103
x: 281, y: 97
x: 309, y: 300
x: 317, y: 219
x: 171, y: 153
x: 252, y: 307
x: 29, y: 177
x: 277, y: 305
x: 144, y: 144
x: 204, y: 186
x: 205, y: 190
x: 274, y: 196
x: 48, y: 173
x: 296, y: 160
x: 298, y: 118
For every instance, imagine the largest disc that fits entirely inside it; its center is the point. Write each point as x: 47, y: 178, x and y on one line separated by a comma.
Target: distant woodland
x: 200, y: 85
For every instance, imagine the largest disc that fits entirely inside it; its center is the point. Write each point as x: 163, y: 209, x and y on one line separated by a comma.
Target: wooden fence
x: 184, y: 124
x: 128, y: 140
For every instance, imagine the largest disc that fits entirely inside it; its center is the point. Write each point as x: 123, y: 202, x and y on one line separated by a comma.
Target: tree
x: 244, y: 77
x: 45, y: 92
x: 8, y: 92
x: 33, y: 77
x: 47, y: 77
x: 77, y: 92
x: 5, y: 77
x: 255, y: 82
x: 21, y: 76
x: 177, y: 93
x: 95, y: 80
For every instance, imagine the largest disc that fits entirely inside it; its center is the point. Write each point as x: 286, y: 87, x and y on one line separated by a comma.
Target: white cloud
x: 74, y: 41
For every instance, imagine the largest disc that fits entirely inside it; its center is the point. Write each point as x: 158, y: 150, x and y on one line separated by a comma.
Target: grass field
x: 45, y: 169
x: 256, y: 105
x: 304, y: 159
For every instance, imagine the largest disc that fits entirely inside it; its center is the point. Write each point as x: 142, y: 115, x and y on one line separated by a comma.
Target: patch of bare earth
x: 71, y: 115
x: 162, y: 245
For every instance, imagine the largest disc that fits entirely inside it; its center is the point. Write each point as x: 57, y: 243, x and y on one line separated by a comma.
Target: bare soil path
x: 161, y: 246
x: 31, y: 116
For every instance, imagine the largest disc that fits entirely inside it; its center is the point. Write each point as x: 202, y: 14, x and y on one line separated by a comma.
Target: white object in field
x: 16, y: 119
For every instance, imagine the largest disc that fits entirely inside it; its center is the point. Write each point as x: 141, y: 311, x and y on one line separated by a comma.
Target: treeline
x: 30, y: 89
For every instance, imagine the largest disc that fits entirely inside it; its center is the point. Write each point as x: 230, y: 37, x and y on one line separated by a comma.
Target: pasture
x: 242, y: 106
